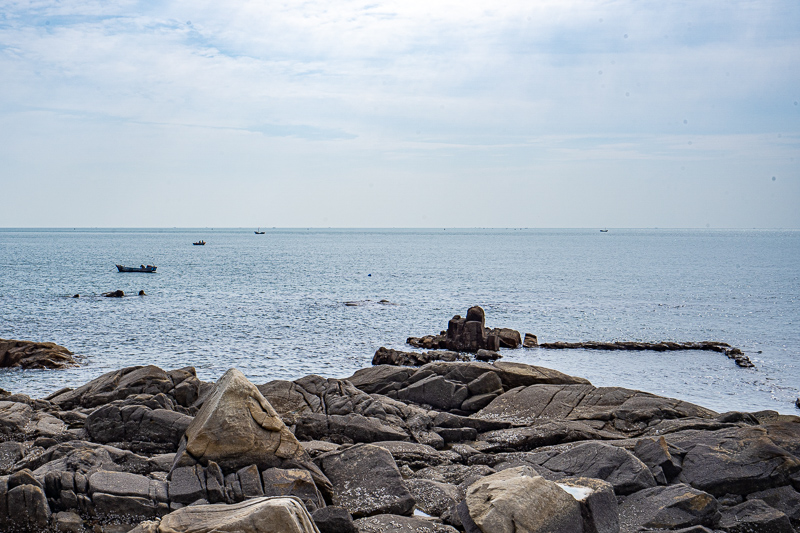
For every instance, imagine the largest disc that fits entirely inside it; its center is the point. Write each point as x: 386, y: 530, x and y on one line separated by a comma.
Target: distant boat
x: 259, y: 232
x: 142, y: 268
x: 603, y: 231
x: 199, y: 243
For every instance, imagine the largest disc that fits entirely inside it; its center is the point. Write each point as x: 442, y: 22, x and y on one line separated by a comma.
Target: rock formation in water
x: 28, y: 354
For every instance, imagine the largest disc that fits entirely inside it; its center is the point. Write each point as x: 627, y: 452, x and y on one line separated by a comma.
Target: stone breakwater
x: 443, y: 447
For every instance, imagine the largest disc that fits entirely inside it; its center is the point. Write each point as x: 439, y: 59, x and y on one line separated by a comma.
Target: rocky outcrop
x: 469, y: 334
x: 476, y: 446
x: 733, y: 353
x: 39, y: 355
x: 386, y: 356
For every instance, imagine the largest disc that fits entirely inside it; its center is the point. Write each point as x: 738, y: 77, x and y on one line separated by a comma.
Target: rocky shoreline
x: 448, y: 445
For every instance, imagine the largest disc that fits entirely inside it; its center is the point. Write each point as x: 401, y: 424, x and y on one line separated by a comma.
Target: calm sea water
x: 274, y: 305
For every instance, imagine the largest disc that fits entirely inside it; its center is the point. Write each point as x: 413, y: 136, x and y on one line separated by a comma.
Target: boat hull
x: 149, y: 269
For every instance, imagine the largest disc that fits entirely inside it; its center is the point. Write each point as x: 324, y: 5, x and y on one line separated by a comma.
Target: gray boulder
x: 293, y: 482
x: 598, y: 503
x: 137, y: 427
x: 388, y: 523
x: 672, y: 507
x: 622, y: 469
x: 333, y: 520
x: 366, y: 481
x: 754, y: 516
x: 785, y: 499
x: 433, y: 497
x: 27, y: 507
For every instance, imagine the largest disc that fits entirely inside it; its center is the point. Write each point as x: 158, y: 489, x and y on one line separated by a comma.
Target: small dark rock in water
x: 141, y: 293
x: 797, y: 403
x: 487, y: 355
x: 531, y: 341
x: 77, y: 296
x: 115, y: 294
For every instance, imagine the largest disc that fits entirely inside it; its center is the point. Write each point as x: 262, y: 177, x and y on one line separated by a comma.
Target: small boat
x: 199, y: 243
x: 603, y: 231
x: 142, y: 268
x: 259, y: 232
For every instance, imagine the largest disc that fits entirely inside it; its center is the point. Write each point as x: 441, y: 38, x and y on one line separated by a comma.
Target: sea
x: 293, y: 302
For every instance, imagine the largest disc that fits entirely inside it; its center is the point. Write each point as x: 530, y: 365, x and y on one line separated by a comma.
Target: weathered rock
x: 542, y: 433
x: 28, y: 354
x: 785, y: 499
x: 381, y: 379
x: 137, y: 427
x: 293, y: 482
x: 487, y: 355
x: 349, y: 428
x: 754, y: 516
x: 27, y: 507
x: 655, y: 454
x: 387, y: 356
x: 68, y: 522
x: 253, y: 432
x: 454, y: 474
x: 333, y: 519
x: 19, y: 421
x: 672, y: 507
x: 115, y: 385
x: 126, y: 509
x: 10, y: 453
x: 188, y: 484
x: 530, y: 341
x: 388, y: 523
x: 622, y: 469
x: 114, y: 294
x: 470, y: 334
x: 283, y: 514
x: 598, y: 503
x: 433, y: 497
x: 508, y: 338
x: 518, y: 500
x: 436, y: 392
x: 734, y: 460
x: 85, y: 458
x: 366, y: 481
x: 488, y: 383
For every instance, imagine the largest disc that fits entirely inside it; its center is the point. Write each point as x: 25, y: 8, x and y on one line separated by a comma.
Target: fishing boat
x: 259, y: 232
x: 603, y: 231
x: 142, y: 268
x: 199, y: 243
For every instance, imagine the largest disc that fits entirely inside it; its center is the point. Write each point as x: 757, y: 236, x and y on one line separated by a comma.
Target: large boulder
x: 784, y: 499
x: 673, y: 507
x: 19, y: 421
x: 27, y: 507
x: 388, y: 523
x: 237, y: 427
x: 737, y: 460
x: 39, y: 355
x: 543, y: 433
x: 137, y: 427
x: 182, y: 385
x: 388, y: 356
x: 470, y: 334
x: 366, y: 481
x: 598, y: 503
x: 282, y: 514
x: 518, y: 500
x: 618, y: 466
x: 754, y: 516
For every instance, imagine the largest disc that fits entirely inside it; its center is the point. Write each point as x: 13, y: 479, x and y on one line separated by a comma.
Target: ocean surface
x: 273, y: 305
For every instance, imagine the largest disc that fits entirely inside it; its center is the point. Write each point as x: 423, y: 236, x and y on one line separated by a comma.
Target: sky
x: 566, y: 113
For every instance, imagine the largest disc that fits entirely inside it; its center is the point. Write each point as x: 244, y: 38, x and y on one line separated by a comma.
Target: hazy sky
x: 400, y: 113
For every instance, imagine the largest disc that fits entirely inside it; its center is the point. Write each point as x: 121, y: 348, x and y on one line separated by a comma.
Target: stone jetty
x: 442, y: 447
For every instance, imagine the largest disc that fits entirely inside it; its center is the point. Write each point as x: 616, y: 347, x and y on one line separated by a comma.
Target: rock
x: 672, y: 507
x: 253, y: 432
x: 23, y: 477
x: 754, y: 516
x: 27, y: 507
x: 68, y: 522
x: 141, y: 293
x: 126, y: 509
x: 187, y: 484
x: 434, y: 391
x: 86, y: 458
x: 284, y: 514
x: 293, y: 482
x: 434, y: 497
x: 487, y: 355
x: 488, y: 383
x: 530, y: 341
x: 655, y: 454
x: 385, y: 356
x: 519, y: 500
x: 119, y: 483
x: 387, y: 523
x: 598, y: 503
x: 456, y: 434
x: 19, y: 421
x: 333, y: 520
x: 734, y: 460
x: 476, y: 403
x: 349, y: 428
x: 542, y: 433
x: 469, y: 334
x: 509, y: 338
x: 137, y: 427
x: 454, y: 474
x: 366, y: 481
x: 785, y: 499
x: 10, y: 453
x: 114, y: 294
x: 622, y: 469
x: 39, y: 355
x: 116, y: 385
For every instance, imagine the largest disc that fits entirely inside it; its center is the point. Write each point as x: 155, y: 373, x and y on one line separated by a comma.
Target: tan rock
x: 283, y: 514
x: 518, y: 501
